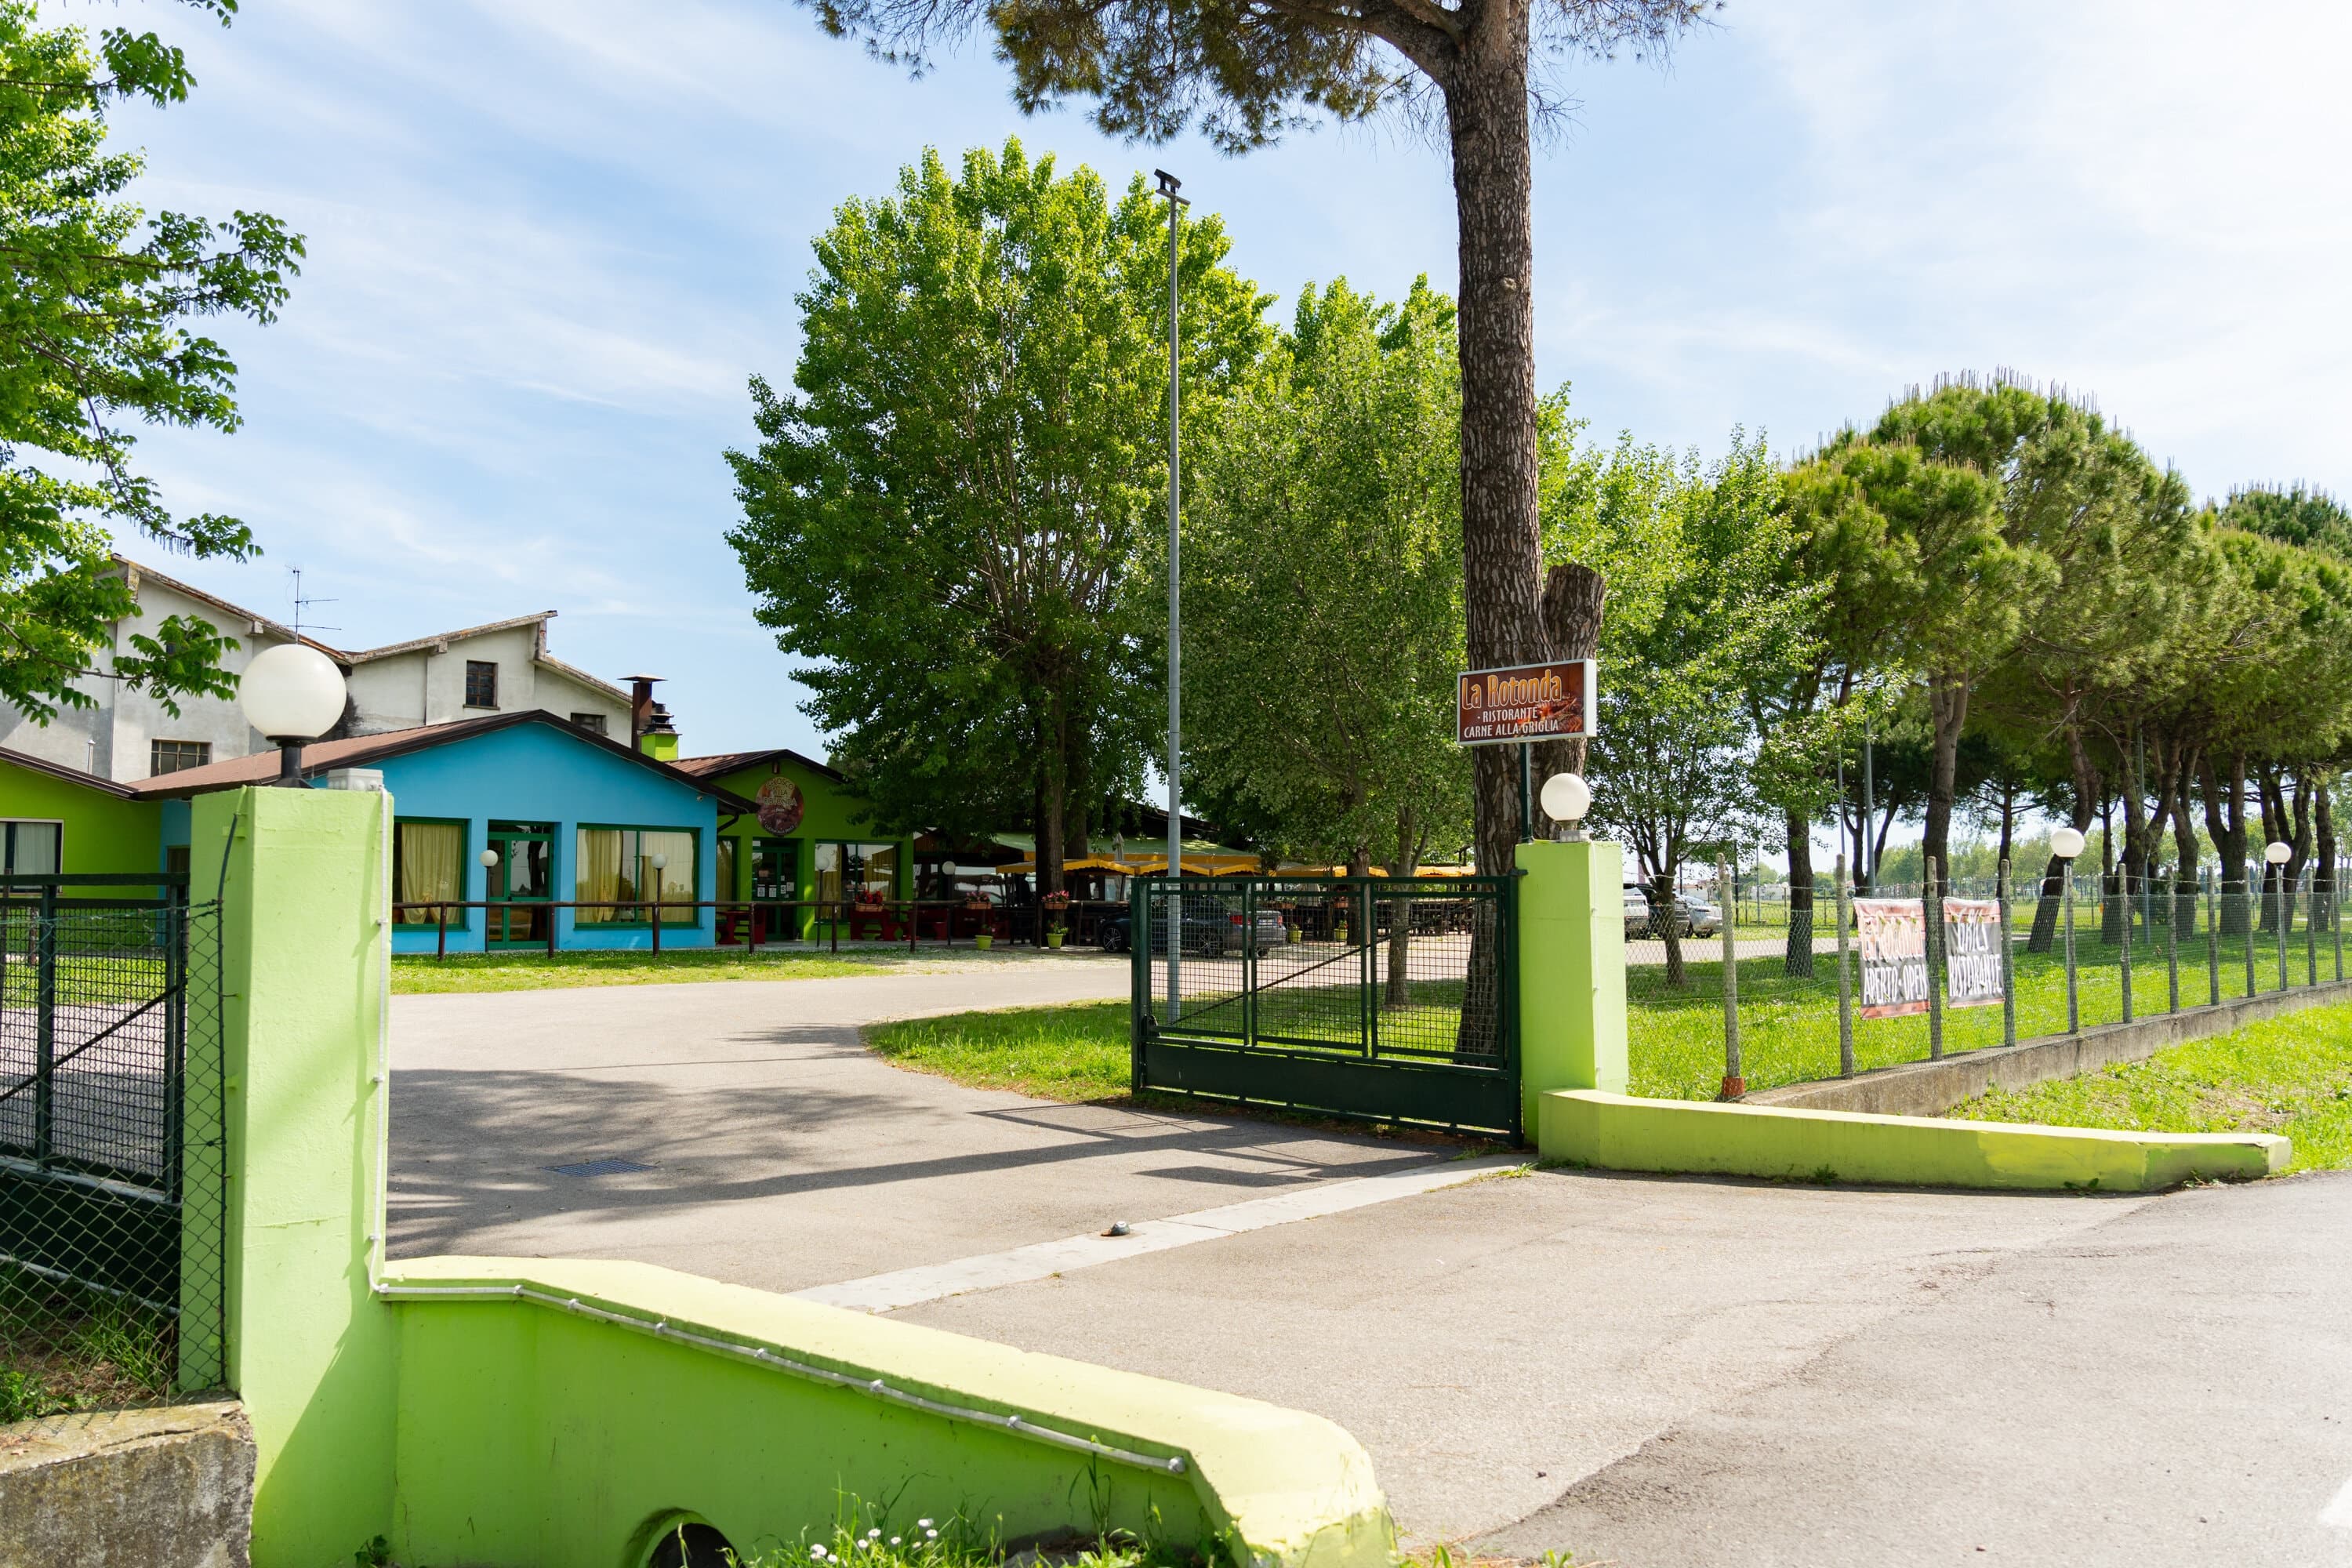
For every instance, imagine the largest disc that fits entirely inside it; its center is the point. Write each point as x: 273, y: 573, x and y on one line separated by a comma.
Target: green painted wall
x: 532, y: 1435
x: 1620, y: 1133
x: 830, y: 814
x: 303, y: 968
x: 102, y: 832
x: 1571, y: 971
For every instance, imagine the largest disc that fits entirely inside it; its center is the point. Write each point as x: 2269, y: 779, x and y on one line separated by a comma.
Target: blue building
x: 522, y: 811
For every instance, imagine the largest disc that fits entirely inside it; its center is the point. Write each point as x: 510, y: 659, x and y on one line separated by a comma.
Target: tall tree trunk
x: 1502, y: 556
x: 1666, y: 913
x: 2325, y: 901
x: 2184, y: 844
x: 2086, y: 789
x: 1487, y: 117
x: 1948, y: 711
x: 2225, y: 824
x: 2267, y: 790
x: 1052, y: 803
x: 1798, y: 959
x: 1574, y: 598
x: 1407, y: 861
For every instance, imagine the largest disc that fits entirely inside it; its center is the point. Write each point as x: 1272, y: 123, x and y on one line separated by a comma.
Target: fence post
x: 45, y: 1027
x: 2007, y: 958
x: 1931, y: 911
x: 2123, y: 952
x: 1138, y: 978
x: 2279, y: 919
x: 1569, y: 971
x: 2172, y: 939
x: 2254, y: 908
x: 2310, y: 926
x: 1735, y: 1082
x: 312, y: 1352
x: 2208, y: 883
x: 1845, y: 982
x: 2074, y: 999
x: 2336, y: 912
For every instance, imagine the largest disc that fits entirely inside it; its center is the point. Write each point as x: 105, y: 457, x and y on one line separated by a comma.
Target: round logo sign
x: 778, y: 800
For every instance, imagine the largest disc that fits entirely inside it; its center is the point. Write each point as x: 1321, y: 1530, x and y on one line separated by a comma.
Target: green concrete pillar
x: 303, y: 976
x: 1571, y: 971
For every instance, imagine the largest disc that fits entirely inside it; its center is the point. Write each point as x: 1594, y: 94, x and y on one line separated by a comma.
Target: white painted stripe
x: 2339, y: 1512
x: 1042, y: 1259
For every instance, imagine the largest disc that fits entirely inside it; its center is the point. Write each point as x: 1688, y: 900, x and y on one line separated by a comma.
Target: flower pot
x: 1339, y: 935
x: 1053, y: 939
x: 1295, y: 934
x: 983, y: 940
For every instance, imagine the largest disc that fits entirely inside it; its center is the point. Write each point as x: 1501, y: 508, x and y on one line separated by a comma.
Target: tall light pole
x: 1169, y: 185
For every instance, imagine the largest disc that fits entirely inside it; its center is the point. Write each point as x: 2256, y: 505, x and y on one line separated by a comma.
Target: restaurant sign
x: 1894, y: 934
x: 1526, y: 702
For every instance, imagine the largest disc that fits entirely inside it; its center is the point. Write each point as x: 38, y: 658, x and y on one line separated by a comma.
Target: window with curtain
x: 428, y: 862
x: 616, y: 865
x: 844, y: 870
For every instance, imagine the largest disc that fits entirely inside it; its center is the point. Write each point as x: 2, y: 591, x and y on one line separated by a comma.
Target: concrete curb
x: 1930, y: 1088
x: 1620, y: 1132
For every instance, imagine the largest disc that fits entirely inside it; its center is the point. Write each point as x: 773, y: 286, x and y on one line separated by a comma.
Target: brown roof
x: 70, y: 776
x: 360, y: 750
x: 730, y: 761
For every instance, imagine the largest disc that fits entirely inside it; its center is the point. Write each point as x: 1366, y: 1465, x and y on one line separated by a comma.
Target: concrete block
x: 165, y: 1487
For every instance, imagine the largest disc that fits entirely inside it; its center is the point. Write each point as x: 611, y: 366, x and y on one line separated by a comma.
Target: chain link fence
x: 113, y: 1209
x: 2055, y: 950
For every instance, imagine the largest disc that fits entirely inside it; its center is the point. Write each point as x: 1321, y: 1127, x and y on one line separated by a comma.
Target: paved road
x: 1663, y: 1373
x: 780, y: 1154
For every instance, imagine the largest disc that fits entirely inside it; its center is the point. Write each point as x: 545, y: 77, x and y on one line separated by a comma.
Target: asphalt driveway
x: 773, y: 1150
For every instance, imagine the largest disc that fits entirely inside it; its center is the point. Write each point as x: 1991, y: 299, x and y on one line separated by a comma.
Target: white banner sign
x: 1971, y: 952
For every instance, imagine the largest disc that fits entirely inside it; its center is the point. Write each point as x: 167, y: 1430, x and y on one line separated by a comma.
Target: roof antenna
x: 301, y: 604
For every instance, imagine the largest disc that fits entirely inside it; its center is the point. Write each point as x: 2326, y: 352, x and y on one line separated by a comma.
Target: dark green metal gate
x: 1388, y: 999
x: 111, y: 1204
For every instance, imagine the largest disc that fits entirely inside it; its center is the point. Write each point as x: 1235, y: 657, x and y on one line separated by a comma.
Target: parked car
x: 1693, y: 916
x: 1213, y: 928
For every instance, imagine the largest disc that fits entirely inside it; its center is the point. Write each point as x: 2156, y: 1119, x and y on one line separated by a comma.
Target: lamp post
x: 1169, y: 185
x: 2276, y: 855
x: 291, y: 693
x: 2067, y: 843
x: 1565, y: 798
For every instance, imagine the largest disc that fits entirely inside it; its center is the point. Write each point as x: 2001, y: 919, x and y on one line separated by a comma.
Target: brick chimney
x: 641, y: 708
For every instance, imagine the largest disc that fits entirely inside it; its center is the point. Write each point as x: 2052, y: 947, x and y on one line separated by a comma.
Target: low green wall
x: 534, y: 1429
x: 1619, y: 1133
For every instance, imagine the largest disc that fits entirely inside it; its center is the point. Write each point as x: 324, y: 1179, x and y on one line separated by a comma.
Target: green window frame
x: 612, y: 864
x: 406, y: 850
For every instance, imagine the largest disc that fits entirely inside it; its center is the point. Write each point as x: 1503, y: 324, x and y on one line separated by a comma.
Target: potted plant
x: 1054, y: 904
x: 977, y: 903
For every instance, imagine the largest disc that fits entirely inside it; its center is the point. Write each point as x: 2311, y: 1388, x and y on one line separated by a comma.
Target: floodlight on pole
x: 1169, y: 185
x: 291, y: 693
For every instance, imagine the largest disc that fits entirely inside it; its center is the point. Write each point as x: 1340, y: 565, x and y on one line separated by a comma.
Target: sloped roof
x: 69, y: 775
x: 360, y: 751
x: 729, y: 762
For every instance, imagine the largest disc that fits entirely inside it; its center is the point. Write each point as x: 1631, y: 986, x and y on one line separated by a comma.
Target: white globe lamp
x: 2276, y: 853
x: 1565, y: 798
x: 291, y: 693
x: 2066, y: 843
x: 488, y: 857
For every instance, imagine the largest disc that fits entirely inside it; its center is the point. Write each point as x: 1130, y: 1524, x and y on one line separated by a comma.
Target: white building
x: 499, y: 667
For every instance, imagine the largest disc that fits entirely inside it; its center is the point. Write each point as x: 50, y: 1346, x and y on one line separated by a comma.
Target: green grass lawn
x: 519, y: 971
x: 1789, y: 1030
x: 2291, y: 1074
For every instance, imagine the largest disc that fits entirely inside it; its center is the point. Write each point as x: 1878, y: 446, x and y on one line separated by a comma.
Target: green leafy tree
x: 946, y: 516
x: 97, y: 334
x: 1246, y: 72
x: 1322, y: 561
x: 1700, y: 609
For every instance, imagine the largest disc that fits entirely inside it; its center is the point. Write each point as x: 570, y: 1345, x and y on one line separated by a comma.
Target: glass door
x: 523, y: 873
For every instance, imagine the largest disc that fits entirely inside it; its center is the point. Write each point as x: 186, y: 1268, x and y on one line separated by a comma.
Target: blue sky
x: 549, y: 240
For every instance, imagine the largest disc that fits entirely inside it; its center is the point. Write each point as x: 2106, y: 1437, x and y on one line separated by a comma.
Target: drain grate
x: 599, y: 1168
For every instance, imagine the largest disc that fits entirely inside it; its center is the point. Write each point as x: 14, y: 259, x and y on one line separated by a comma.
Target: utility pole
x: 1169, y: 185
